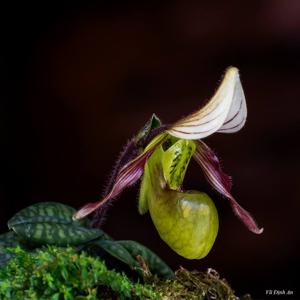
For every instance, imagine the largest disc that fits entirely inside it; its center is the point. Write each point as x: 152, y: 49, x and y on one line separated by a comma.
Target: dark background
x: 79, y: 80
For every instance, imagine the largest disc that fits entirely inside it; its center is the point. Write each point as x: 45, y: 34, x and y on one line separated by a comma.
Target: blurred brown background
x: 79, y: 80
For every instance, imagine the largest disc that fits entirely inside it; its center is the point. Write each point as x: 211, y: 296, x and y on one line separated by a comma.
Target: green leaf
x: 56, y: 233
x: 118, y: 251
x: 127, y: 252
x: 51, y: 223
x: 154, y: 262
x: 43, y: 212
x: 9, y: 239
x: 105, y: 236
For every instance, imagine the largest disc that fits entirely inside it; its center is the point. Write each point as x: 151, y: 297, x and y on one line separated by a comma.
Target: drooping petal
x: 225, y: 112
x: 127, y: 176
x: 221, y: 182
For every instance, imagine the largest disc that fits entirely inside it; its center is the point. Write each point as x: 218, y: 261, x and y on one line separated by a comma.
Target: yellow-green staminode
x: 186, y: 221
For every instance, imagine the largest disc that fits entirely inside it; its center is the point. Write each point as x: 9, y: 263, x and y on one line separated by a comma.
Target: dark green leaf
x: 118, y: 251
x: 9, y: 239
x: 155, y: 263
x: 127, y: 252
x: 51, y: 223
x: 56, y: 233
x: 104, y: 236
x: 44, y: 212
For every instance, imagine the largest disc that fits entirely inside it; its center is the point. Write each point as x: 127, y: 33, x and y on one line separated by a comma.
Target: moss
x: 61, y: 273
x: 195, y: 285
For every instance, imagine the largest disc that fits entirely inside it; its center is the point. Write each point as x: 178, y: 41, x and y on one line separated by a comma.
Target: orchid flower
x: 164, y: 161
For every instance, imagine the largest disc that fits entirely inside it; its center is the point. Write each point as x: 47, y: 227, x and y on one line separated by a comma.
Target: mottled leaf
x: 51, y: 223
x: 128, y: 251
x: 50, y: 212
x: 56, y: 233
x: 105, y: 236
x: 154, y: 262
x: 118, y: 251
x: 9, y: 239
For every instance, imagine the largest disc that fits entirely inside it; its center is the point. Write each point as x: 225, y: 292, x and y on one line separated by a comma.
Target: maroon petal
x: 127, y: 176
x: 221, y: 182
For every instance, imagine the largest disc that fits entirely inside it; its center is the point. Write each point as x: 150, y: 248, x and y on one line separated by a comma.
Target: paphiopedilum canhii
x: 186, y: 220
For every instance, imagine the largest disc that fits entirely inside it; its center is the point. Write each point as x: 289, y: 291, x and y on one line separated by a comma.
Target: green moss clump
x: 61, y: 273
x: 55, y: 273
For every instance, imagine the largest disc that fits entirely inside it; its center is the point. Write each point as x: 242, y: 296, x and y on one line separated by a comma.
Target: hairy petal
x: 221, y: 182
x: 225, y: 112
x: 127, y: 176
